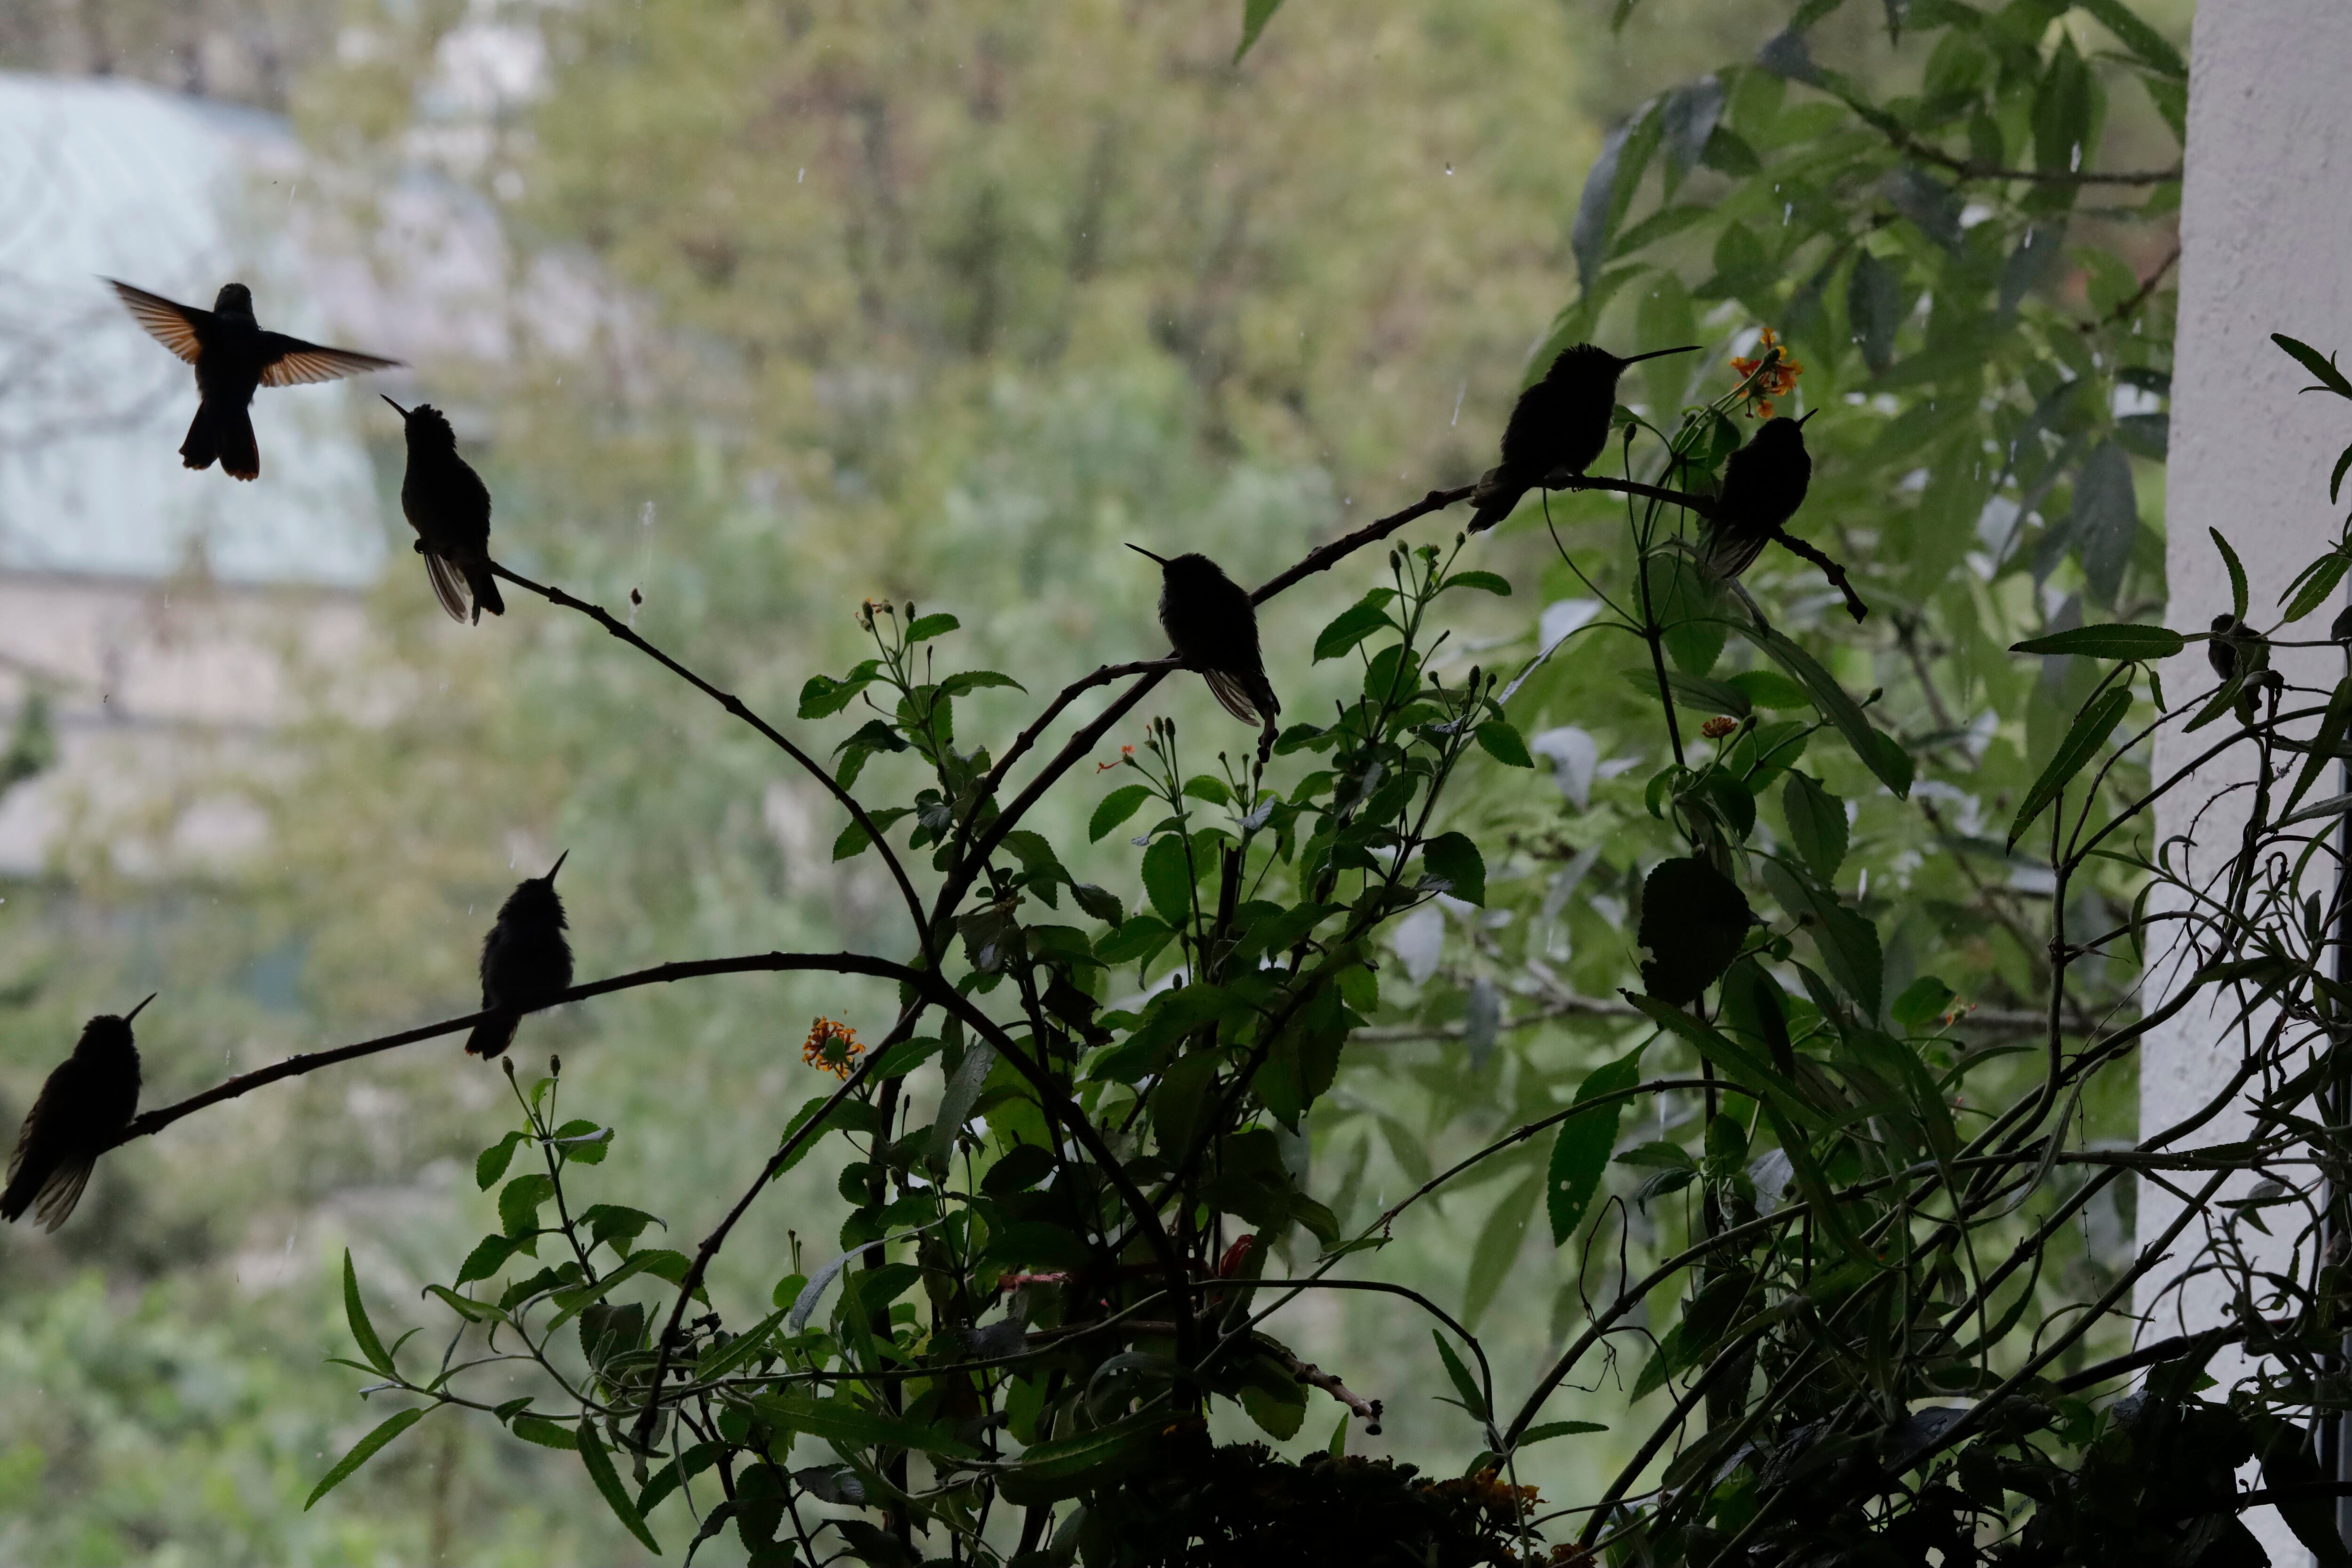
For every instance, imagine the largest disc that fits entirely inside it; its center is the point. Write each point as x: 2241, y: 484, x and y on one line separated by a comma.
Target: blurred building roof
x: 102, y: 177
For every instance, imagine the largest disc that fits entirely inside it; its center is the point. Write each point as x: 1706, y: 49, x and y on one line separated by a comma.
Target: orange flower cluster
x: 1716, y: 728
x: 1776, y: 382
x: 1126, y: 755
x: 831, y: 1047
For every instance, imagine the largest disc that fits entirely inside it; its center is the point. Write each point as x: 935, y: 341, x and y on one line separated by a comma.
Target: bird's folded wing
x: 173, y: 325
x: 293, y: 362
x: 447, y: 586
x: 1233, y: 694
x: 62, y: 1191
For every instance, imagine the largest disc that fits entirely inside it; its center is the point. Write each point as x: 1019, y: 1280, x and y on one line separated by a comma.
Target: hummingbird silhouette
x: 2236, y: 647
x: 1764, y: 483
x: 1559, y: 423
x: 82, y: 1110
x: 1212, y: 626
x: 526, y: 963
x: 234, y: 356
x: 449, y: 507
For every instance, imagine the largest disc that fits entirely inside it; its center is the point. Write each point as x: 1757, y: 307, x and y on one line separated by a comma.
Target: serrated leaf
x: 1454, y: 861
x: 1500, y: 740
x: 2088, y: 734
x: 355, y: 1313
x: 1498, y: 1246
x: 1463, y: 1383
x: 2116, y: 640
x: 492, y: 1162
x: 518, y: 1202
x: 363, y: 1450
x: 1137, y: 939
x: 1351, y: 626
x: 1485, y: 582
x: 930, y: 626
x: 1168, y: 879
x: 1881, y: 755
x: 822, y: 696
x: 1581, y: 1150
x: 539, y: 1430
x: 1694, y: 920
x: 1117, y: 808
x: 2318, y: 585
x: 1816, y: 824
x: 600, y: 1470
x: 1551, y: 1430
x: 2237, y: 573
x: 855, y: 840
x: 2326, y: 745
x: 489, y: 1255
x: 963, y: 682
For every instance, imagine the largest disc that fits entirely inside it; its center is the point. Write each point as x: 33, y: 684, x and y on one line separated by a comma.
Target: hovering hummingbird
x: 1213, y: 625
x: 1559, y: 423
x: 1764, y: 483
x: 84, y: 1107
x: 232, y: 356
x: 526, y: 963
x: 449, y: 507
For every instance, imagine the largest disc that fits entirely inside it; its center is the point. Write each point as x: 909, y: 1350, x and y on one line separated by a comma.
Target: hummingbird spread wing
x: 293, y: 362
x: 448, y: 586
x: 173, y: 325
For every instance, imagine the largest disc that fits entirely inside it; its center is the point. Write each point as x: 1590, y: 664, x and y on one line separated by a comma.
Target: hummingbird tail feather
x: 20, y: 1196
x: 225, y: 434
x: 485, y: 589
x: 203, y: 444
x: 62, y: 1192
x: 491, y: 1036
x: 1494, y: 509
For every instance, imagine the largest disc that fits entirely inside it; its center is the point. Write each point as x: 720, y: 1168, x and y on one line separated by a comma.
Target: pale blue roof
x: 178, y: 196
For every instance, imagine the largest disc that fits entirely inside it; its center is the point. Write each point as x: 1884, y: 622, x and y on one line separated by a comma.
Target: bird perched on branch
x: 526, y: 963
x: 449, y: 508
x: 1560, y: 423
x: 83, y: 1110
x: 2237, y: 649
x: 1212, y: 626
x: 233, y: 357
x: 1764, y: 483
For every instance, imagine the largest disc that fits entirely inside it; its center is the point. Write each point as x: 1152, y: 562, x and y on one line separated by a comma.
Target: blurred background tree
x: 943, y: 306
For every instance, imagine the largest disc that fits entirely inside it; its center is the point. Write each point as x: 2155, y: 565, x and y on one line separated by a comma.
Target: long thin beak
x: 1654, y: 353
x: 1808, y: 414
x: 396, y: 408
x: 135, y: 1011
x: 560, y: 859
x: 1140, y: 551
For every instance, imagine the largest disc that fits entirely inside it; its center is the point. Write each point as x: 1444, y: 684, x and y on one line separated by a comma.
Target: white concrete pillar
x: 2266, y: 246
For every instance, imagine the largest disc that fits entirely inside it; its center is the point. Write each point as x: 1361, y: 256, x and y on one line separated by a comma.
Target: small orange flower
x: 1777, y: 377
x: 1126, y: 755
x: 831, y: 1047
x: 1716, y: 728
x: 870, y: 609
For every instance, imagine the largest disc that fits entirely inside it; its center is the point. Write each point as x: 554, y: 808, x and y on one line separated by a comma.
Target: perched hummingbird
x: 1213, y: 625
x: 526, y: 963
x: 2236, y: 647
x: 1560, y: 421
x: 84, y: 1107
x: 232, y: 356
x: 1764, y: 483
x: 449, y: 507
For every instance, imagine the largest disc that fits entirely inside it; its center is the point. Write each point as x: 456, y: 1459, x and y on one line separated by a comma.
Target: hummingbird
x: 449, y: 507
x: 1559, y: 423
x: 2236, y: 647
x: 526, y: 963
x: 1764, y: 483
x: 83, y: 1110
x: 1213, y: 625
x: 232, y: 356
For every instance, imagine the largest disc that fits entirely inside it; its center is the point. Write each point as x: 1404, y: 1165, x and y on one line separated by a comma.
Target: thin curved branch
x: 304, y: 1062
x: 736, y: 706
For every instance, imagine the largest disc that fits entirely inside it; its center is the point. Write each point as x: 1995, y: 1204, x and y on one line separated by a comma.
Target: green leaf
x: 2325, y: 745
x: 931, y: 626
x: 518, y: 1202
x: 822, y: 696
x: 1694, y: 920
x: 1454, y: 859
x: 1816, y: 824
x: 1168, y: 879
x: 363, y: 1333
x: 1874, y: 303
x: 2115, y: 640
x: 1921, y: 1003
x: 1551, y: 1430
x: 1463, y: 1383
x: 1136, y: 940
x: 1065, y: 1467
x: 1273, y: 1399
x: 1176, y: 1103
x: 2318, y: 584
x: 1255, y: 15
x: 493, y: 1160
x: 363, y: 1451
x: 1501, y: 741
x: 2330, y: 378
x: 965, y: 681
x: 2237, y: 573
x: 854, y: 841
x: 1580, y: 1152
x: 2104, y: 520
x: 1352, y: 626
x: 489, y: 1255
x: 1497, y: 1248
x: 2335, y: 479
x: 1117, y: 808
x: 600, y: 1470
x: 2089, y: 731
x: 539, y: 1430
x: 2154, y: 49
x: 1485, y: 582
x: 1848, y: 942
x: 1769, y: 688
x: 1734, y: 1061
x: 1880, y: 755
